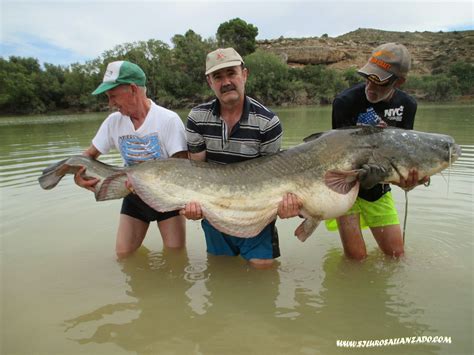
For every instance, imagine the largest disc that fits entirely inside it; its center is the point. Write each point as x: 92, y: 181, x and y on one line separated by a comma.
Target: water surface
x: 64, y: 292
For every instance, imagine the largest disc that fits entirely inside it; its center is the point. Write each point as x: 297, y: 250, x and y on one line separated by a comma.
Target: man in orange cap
x: 376, y: 102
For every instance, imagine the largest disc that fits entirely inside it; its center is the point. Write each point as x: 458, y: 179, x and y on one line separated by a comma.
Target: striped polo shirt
x: 257, y: 133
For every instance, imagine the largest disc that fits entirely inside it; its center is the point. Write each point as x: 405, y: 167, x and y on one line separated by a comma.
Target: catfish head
x: 384, y: 155
x: 394, y: 152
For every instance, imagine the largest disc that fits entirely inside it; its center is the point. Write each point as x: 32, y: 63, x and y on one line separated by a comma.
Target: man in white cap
x: 140, y: 130
x: 377, y: 102
x: 231, y: 128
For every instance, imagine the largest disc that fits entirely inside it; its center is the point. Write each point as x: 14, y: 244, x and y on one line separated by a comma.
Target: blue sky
x: 68, y: 31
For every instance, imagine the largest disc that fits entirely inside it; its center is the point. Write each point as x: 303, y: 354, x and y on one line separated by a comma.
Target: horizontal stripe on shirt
x: 257, y: 133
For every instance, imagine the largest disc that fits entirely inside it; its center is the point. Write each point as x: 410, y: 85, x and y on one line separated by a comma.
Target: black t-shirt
x: 351, y: 108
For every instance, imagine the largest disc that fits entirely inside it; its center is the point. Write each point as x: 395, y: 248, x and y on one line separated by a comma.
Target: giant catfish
x: 240, y: 199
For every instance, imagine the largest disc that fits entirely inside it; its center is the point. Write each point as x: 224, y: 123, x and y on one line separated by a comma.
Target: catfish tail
x: 54, y: 173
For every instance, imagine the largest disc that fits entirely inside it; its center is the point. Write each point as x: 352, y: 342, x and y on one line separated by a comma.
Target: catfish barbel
x: 240, y: 199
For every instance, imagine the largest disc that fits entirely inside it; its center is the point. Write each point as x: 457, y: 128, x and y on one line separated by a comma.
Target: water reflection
x: 358, y: 303
x: 346, y: 300
x: 169, y: 290
x: 176, y: 300
x: 153, y: 316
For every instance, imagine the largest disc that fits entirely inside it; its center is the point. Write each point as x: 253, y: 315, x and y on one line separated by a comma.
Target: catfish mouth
x: 454, y: 153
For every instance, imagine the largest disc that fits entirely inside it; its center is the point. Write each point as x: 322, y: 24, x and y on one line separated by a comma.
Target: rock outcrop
x: 432, y: 52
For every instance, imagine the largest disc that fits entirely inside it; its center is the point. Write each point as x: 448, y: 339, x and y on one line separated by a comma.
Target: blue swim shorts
x: 134, y: 206
x: 378, y: 213
x: 263, y: 246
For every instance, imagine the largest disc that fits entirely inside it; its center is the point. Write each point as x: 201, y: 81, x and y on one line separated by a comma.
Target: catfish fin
x: 113, y: 187
x: 306, y: 228
x: 341, y: 181
x: 371, y: 175
x: 312, y: 137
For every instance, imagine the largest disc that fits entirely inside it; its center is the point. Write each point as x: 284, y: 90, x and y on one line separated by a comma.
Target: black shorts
x: 134, y: 206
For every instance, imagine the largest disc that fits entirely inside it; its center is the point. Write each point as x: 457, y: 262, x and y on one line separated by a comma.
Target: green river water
x: 64, y: 292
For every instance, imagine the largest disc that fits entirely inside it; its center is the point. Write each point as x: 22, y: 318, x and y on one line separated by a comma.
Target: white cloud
x: 87, y: 28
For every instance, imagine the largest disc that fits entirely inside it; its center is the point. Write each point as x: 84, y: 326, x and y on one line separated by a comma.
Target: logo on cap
x: 380, y: 63
x: 222, y: 58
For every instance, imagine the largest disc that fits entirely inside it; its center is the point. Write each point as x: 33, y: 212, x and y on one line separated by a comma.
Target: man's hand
x: 289, y: 206
x: 192, y: 210
x: 83, y: 181
x: 129, y: 186
x: 412, y: 180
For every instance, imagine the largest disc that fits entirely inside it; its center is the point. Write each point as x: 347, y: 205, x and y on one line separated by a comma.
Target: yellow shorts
x: 372, y: 214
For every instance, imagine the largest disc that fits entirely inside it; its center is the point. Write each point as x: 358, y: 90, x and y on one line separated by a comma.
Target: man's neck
x: 390, y: 96
x: 231, y: 113
x: 138, y: 117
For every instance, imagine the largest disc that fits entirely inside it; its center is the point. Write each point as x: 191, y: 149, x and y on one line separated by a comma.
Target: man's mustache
x: 227, y: 88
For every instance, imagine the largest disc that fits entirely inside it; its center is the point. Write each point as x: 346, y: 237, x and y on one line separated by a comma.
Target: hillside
x: 431, y: 52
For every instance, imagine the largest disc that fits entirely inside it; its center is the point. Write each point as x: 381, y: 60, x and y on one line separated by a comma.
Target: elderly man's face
x: 228, y: 84
x: 123, y: 98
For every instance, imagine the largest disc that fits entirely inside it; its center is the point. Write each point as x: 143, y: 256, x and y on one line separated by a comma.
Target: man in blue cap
x: 140, y: 130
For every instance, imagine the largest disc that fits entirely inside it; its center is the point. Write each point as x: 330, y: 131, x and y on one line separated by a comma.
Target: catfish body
x: 240, y: 199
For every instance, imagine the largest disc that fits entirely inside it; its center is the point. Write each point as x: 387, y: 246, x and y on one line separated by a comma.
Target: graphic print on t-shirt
x: 369, y: 118
x: 394, y: 114
x: 136, y: 149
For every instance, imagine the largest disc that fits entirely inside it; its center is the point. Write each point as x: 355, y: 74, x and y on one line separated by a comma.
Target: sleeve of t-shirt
x: 271, y: 137
x: 103, y: 139
x: 409, y: 115
x: 174, y: 137
x: 341, y: 116
x: 194, y: 139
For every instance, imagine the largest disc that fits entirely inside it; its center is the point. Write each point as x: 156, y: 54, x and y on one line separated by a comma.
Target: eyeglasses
x: 374, y: 79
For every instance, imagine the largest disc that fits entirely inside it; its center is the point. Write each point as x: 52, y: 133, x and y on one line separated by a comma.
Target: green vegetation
x: 458, y: 79
x: 238, y: 34
x: 176, y: 76
x: 268, y: 78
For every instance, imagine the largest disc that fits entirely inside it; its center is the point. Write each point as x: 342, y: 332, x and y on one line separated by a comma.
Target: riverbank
x: 182, y: 111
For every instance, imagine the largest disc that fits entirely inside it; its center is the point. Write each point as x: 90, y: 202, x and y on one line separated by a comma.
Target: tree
x: 440, y: 87
x: 464, y: 72
x: 79, y: 82
x: 25, y: 65
x: 49, y: 86
x: 18, y: 90
x: 268, y: 77
x: 186, y: 78
x: 321, y: 83
x: 153, y: 56
x: 352, y: 77
x: 238, y: 34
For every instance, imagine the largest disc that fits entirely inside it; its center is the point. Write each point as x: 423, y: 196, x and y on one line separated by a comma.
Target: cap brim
x: 104, y: 87
x: 372, y: 69
x: 224, y: 65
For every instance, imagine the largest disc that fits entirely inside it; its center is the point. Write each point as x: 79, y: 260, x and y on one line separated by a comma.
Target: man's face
x: 228, y: 84
x: 122, y: 98
x: 376, y: 92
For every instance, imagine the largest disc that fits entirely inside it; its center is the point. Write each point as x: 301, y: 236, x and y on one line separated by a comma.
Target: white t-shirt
x: 159, y: 137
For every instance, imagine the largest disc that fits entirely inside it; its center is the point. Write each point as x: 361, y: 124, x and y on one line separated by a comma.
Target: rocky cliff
x: 431, y: 52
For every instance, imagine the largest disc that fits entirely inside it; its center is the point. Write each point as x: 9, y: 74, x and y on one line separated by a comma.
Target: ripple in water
x: 195, y: 272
